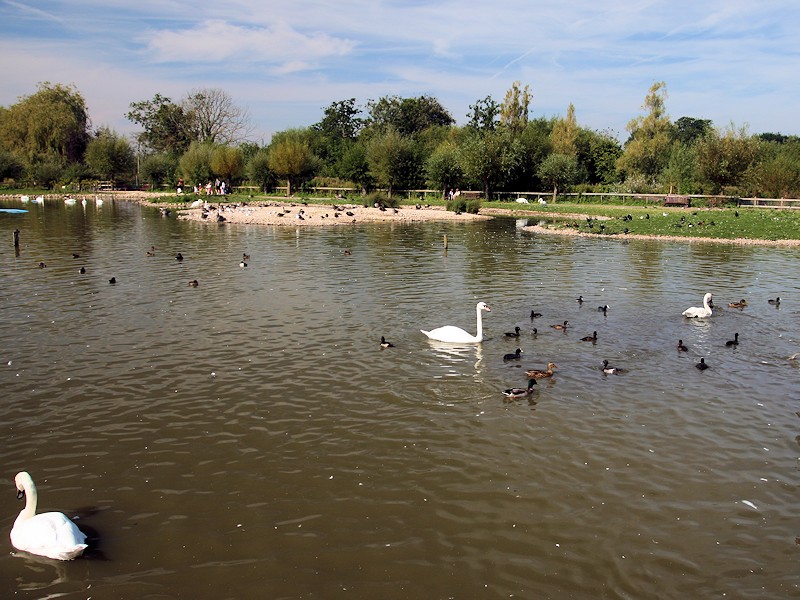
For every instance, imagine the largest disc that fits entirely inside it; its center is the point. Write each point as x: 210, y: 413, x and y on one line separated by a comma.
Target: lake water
x: 249, y: 438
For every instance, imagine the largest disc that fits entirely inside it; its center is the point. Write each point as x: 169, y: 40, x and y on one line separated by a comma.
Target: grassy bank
x: 725, y: 223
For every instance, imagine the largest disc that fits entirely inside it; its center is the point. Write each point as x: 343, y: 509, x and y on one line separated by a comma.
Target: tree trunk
x: 555, y: 192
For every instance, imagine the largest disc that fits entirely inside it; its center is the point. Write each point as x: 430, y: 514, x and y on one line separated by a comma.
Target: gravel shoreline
x: 296, y: 214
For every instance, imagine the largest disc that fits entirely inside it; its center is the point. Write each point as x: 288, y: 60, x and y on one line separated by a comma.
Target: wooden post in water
x: 445, y: 242
x: 16, y: 238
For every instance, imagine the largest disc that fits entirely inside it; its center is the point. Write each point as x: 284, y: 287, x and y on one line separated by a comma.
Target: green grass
x: 726, y: 223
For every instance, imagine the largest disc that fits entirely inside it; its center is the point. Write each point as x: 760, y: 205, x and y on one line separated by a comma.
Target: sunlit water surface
x: 248, y: 438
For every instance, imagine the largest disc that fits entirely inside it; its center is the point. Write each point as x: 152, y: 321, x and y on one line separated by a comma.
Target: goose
x: 741, y: 304
x: 590, y: 338
x: 534, y: 331
x: 609, y: 370
x: 514, y: 355
x: 702, y: 364
x: 699, y: 313
x: 579, y: 299
x: 734, y: 341
x: 560, y: 327
x: 520, y: 392
x: 49, y: 534
x: 385, y: 344
x: 69, y: 201
x: 536, y: 374
x: 603, y: 309
x: 681, y: 347
x: 776, y: 302
x: 514, y: 333
x: 24, y: 199
x: 456, y: 335
x: 535, y: 315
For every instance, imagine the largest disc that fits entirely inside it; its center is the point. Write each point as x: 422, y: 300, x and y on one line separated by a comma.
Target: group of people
x: 218, y: 188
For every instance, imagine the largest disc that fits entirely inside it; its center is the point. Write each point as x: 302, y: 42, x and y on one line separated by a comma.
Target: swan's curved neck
x: 30, y: 501
x: 479, y: 318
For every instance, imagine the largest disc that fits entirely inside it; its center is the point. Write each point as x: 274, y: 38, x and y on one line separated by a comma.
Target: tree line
x: 392, y: 143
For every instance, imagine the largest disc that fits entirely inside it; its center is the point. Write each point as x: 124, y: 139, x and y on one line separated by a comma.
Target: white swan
x: 48, y: 534
x: 456, y: 335
x: 697, y: 312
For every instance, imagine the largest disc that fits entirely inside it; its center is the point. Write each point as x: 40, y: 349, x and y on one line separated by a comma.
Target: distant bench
x: 682, y: 201
x: 470, y: 195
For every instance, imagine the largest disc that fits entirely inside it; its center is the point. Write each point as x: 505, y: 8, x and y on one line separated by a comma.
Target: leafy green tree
x: 337, y: 130
x: 195, y: 164
x: 442, y: 168
x: 228, y: 163
x: 488, y: 158
x: 777, y: 177
x: 158, y: 169
x: 291, y: 157
x: 53, y: 122
x: 647, y: 148
x: 484, y: 114
x: 46, y: 173
x: 392, y: 160
x: 598, y: 153
x: 565, y: 134
x: 687, y: 130
x: 559, y: 170
x: 109, y: 155
x: 407, y: 116
x: 354, y: 166
x: 724, y: 157
x: 10, y: 166
x: 167, y: 126
x: 515, y: 106
x: 679, y: 174
x: 258, y: 170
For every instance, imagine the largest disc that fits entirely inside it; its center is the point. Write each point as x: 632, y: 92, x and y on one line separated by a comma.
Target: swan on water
x: 456, y: 335
x: 698, y: 312
x: 49, y: 534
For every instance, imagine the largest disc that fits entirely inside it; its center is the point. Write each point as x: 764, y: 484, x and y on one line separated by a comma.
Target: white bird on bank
x: 49, y: 534
x: 696, y: 312
x: 456, y: 335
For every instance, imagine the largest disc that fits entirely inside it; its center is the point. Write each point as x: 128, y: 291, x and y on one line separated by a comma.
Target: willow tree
x: 52, y: 124
x: 725, y: 156
x: 291, y: 157
x: 647, y: 149
x: 110, y: 155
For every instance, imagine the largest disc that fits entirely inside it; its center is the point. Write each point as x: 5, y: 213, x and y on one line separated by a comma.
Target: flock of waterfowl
x: 452, y: 334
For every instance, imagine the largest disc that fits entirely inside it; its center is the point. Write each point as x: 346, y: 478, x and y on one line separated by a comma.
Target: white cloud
x: 218, y: 41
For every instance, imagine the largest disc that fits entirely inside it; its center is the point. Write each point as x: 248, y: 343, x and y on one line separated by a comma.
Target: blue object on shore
x: 13, y: 210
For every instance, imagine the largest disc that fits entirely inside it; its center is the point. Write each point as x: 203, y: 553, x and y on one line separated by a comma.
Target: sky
x: 730, y: 61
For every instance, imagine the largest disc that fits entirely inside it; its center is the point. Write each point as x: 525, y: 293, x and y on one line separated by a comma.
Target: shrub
x: 462, y: 205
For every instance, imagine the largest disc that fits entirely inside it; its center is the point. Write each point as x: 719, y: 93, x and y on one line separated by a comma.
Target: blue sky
x: 731, y: 61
